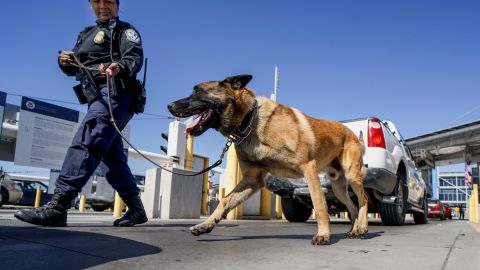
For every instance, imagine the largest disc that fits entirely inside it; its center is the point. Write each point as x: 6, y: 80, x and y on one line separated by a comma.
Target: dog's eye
x: 196, y: 90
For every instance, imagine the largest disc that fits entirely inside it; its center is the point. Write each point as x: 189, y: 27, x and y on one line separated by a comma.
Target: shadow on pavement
x: 335, y: 237
x: 40, y: 248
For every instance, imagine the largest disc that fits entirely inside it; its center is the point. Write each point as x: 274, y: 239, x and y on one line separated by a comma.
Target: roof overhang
x: 459, y: 144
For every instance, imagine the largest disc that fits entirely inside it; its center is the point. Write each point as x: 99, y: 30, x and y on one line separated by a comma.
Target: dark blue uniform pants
x: 97, y: 140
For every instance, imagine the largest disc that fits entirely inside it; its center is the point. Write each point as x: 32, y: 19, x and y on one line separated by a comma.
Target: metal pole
x: 118, y: 206
x: 205, y: 187
x: 278, y: 199
x: 475, y: 204
x: 266, y: 203
x: 189, y: 153
x: 276, y: 84
x: 83, y: 200
x: 273, y: 96
x: 37, y: 197
x: 239, y: 209
x: 231, y: 173
x: 278, y: 207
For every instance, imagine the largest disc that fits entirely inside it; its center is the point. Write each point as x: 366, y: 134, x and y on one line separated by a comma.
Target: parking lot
x: 90, y: 242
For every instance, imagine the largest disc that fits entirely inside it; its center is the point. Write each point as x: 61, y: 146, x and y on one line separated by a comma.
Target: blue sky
x: 416, y: 63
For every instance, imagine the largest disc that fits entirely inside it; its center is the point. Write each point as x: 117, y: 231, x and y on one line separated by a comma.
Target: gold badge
x: 99, y: 37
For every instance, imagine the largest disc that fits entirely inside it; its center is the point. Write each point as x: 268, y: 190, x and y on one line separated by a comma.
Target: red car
x: 436, y: 209
x: 448, y: 211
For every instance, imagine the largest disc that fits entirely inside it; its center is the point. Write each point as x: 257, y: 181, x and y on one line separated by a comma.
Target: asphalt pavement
x: 90, y: 242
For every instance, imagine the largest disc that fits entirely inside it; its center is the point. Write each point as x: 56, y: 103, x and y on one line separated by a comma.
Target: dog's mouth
x: 207, y: 114
x: 201, y: 123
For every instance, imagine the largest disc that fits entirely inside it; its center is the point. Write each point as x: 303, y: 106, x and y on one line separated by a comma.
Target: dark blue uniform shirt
x: 93, y: 48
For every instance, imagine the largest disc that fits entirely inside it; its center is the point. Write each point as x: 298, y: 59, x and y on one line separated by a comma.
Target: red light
x: 375, y: 134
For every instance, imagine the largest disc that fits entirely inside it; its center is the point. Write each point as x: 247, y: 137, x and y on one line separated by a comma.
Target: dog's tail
x: 362, y: 145
x: 360, y: 138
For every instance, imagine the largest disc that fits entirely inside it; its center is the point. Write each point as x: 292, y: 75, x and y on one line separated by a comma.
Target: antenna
x: 273, y: 96
x: 145, y: 72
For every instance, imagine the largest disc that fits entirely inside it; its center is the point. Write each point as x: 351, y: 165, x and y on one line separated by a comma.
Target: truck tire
x: 422, y: 218
x: 3, y: 197
x: 295, y: 211
x: 394, y: 214
x: 99, y: 208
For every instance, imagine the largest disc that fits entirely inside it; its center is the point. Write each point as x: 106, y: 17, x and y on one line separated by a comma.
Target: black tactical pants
x: 97, y: 141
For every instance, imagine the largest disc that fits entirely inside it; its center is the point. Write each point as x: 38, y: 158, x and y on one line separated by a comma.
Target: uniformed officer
x: 110, y: 47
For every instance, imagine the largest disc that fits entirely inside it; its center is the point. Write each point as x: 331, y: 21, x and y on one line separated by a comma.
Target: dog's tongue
x: 193, y: 124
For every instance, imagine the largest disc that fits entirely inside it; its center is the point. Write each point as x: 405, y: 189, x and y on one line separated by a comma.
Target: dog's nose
x: 170, y: 106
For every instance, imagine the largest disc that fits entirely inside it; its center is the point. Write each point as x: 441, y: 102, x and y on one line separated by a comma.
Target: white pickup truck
x: 393, y: 183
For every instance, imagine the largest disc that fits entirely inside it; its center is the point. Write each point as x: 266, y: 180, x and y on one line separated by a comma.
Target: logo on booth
x: 30, y: 104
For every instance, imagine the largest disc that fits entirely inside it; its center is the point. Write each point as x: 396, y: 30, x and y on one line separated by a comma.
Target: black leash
x: 114, y: 123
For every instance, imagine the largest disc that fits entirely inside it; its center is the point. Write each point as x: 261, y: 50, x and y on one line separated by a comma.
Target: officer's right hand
x: 65, y: 58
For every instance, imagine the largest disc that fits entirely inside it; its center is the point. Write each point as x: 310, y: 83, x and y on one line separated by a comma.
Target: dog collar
x: 245, y: 127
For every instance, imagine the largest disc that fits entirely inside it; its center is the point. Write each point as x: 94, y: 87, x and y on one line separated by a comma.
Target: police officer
x: 111, y: 47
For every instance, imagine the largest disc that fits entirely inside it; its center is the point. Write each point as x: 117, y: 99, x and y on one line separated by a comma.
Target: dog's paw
x: 363, y: 231
x: 321, y: 240
x: 201, y: 229
x: 352, y: 235
x: 357, y: 234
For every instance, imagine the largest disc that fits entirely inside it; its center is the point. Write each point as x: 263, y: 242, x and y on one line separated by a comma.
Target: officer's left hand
x: 112, y: 70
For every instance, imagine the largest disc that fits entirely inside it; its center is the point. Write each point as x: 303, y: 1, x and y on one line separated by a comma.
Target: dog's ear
x: 239, y: 81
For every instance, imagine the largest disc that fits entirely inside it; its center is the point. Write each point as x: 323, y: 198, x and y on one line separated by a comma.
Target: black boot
x: 53, y: 213
x: 134, y: 215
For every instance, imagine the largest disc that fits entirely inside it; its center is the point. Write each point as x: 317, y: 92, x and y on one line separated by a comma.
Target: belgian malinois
x: 280, y: 140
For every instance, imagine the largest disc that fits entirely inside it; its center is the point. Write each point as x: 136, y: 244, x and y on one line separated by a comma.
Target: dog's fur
x: 283, y: 142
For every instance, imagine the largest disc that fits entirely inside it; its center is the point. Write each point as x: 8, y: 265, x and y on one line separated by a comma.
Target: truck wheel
x: 422, y: 218
x: 294, y: 210
x: 394, y: 214
x: 99, y: 208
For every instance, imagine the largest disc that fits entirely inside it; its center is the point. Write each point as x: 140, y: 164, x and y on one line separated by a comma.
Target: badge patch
x: 132, y: 35
x: 99, y: 37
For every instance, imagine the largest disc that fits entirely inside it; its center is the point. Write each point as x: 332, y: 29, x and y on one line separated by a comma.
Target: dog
x: 280, y: 140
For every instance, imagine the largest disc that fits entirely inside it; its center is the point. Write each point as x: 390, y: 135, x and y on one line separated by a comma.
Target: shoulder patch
x: 132, y: 35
